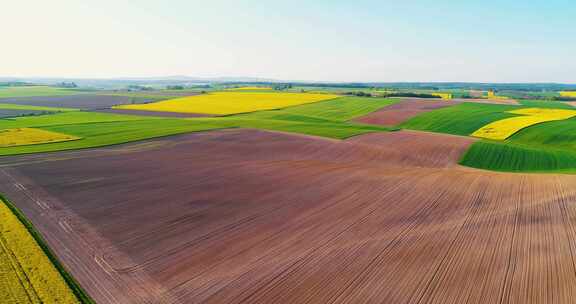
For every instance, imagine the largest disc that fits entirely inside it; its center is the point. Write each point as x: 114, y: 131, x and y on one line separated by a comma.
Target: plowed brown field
x: 403, y: 110
x: 247, y: 216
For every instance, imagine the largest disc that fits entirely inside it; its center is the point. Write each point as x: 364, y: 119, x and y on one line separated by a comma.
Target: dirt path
x: 249, y: 216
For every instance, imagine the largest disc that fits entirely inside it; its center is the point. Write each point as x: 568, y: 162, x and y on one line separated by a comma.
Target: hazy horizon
x: 333, y: 41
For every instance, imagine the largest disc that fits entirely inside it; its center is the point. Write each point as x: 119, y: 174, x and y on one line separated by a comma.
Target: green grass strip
x: 78, y: 291
x: 8, y: 106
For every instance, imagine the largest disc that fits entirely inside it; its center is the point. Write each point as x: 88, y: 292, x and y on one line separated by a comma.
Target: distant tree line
x: 15, y: 84
x: 282, y: 86
x: 135, y: 87
x: 410, y: 94
x: 563, y: 98
x: 66, y: 85
x: 358, y: 93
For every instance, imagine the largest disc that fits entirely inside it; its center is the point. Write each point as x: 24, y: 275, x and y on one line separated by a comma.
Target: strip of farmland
x: 248, y: 216
x: 398, y: 113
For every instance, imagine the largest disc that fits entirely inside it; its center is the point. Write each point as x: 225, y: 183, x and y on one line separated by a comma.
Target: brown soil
x: 80, y: 101
x: 247, y: 216
x: 399, y: 112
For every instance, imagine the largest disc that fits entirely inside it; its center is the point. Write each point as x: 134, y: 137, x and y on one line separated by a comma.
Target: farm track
x: 248, y: 216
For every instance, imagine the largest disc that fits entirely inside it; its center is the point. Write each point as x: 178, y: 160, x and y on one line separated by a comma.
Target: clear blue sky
x: 412, y: 40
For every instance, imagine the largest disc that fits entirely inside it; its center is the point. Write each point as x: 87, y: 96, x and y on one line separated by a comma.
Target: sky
x: 320, y: 40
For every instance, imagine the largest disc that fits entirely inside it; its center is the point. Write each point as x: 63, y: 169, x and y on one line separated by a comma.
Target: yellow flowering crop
x: 446, y: 96
x: 31, y: 136
x: 568, y: 94
x: 26, y: 273
x: 224, y: 103
x: 505, y: 128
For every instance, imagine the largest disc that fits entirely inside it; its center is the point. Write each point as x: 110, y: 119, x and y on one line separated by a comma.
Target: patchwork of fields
x: 185, y: 205
x: 31, y: 136
x: 360, y: 220
x: 225, y: 103
x: 505, y: 128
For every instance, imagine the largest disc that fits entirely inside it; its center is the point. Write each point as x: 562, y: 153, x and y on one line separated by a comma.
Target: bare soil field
x: 399, y: 112
x: 81, y: 101
x: 248, y: 216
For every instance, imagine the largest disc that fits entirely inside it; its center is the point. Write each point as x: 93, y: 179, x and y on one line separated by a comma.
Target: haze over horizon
x: 363, y: 41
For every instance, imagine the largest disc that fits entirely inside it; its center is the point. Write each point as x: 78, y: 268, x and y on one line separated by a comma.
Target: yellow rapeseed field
x: 224, y: 103
x: 26, y: 273
x: 568, y: 94
x: 446, y: 96
x: 31, y: 136
x: 505, y: 128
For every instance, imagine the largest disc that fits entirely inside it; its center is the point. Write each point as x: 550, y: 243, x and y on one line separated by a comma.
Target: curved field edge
x: 461, y: 119
x: 74, y: 286
x: 325, y: 119
x: 228, y: 103
x: 517, y: 157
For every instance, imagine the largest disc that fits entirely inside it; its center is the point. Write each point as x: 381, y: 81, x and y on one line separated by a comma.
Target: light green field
x: 24, y: 91
x: 461, y: 119
x: 326, y: 119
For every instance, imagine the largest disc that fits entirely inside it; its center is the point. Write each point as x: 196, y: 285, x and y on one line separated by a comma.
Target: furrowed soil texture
x: 79, y: 101
x: 26, y: 274
x: 248, y: 216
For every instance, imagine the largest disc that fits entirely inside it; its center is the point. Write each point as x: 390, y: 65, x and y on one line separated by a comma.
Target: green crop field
x: 326, y: 119
x: 546, y: 147
x: 115, y: 132
x: 461, y: 119
x: 545, y: 104
x: 516, y: 157
x: 24, y: 91
x: 338, y: 110
x: 65, y: 118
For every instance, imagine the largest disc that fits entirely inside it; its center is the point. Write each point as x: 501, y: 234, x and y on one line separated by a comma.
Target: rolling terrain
x: 323, y: 199
x: 201, y: 218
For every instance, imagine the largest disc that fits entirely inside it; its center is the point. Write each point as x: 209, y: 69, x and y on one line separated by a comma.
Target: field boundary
x: 278, y: 109
x: 78, y: 291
